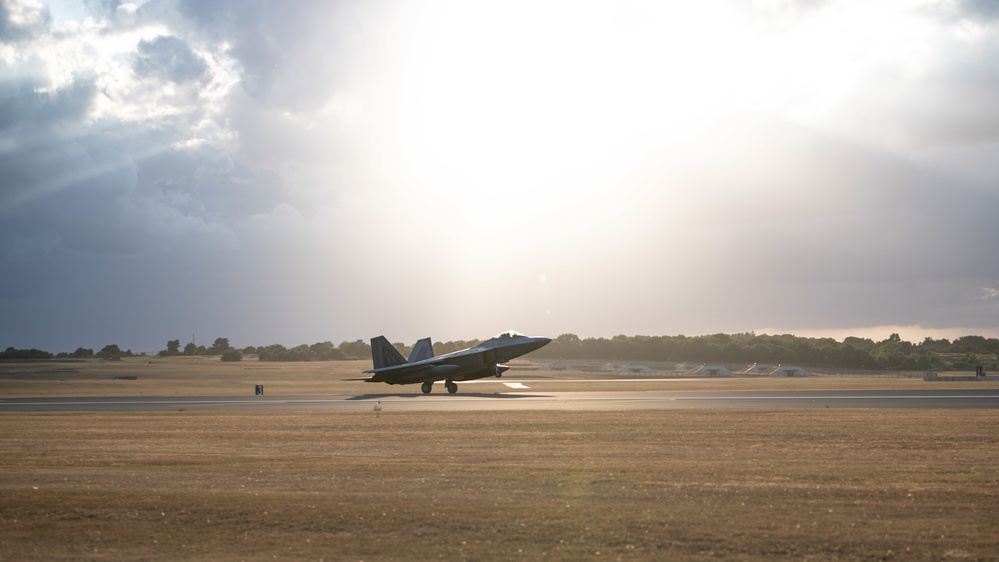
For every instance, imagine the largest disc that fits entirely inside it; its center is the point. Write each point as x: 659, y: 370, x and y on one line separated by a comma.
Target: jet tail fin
x: 384, y: 354
x: 424, y: 349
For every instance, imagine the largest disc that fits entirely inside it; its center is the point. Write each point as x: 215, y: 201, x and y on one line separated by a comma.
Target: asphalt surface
x: 522, y: 399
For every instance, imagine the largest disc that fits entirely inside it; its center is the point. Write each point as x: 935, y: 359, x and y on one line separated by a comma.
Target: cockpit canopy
x: 508, y: 334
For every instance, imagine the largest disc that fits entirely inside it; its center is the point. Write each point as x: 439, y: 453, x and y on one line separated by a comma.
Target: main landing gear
x: 449, y: 385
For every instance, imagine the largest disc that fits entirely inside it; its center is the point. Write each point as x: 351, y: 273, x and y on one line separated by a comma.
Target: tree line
x: 963, y: 353
x: 107, y: 352
x: 320, y: 351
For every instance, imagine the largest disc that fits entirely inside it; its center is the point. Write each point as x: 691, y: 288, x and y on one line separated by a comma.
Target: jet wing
x: 419, y: 371
x: 438, y: 361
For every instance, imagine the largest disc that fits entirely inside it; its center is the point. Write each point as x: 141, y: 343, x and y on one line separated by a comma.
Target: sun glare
x: 506, y: 102
x: 557, y: 104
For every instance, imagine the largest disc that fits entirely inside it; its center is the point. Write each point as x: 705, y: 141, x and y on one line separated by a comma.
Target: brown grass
x: 744, y: 485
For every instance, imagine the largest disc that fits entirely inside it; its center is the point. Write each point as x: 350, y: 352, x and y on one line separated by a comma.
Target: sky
x: 303, y: 171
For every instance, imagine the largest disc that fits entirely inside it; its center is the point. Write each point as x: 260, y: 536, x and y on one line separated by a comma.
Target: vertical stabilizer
x: 384, y: 354
x: 424, y: 349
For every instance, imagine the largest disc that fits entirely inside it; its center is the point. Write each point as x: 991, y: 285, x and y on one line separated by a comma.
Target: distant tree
x: 190, y: 349
x: 220, y: 346
x: 565, y: 346
x: 402, y: 348
x: 270, y: 352
x: 859, y: 343
x: 81, y: 353
x: 109, y: 351
x: 975, y: 344
x: 355, y: 350
x: 930, y: 344
x: 720, y: 338
x: 325, y: 351
x: 278, y: 352
x: 232, y: 355
x: 249, y: 350
x: 11, y: 353
x: 173, y: 348
x: 297, y: 353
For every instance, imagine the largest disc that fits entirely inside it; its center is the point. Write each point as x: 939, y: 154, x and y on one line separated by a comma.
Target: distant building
x: 790, y: 371
x: 557, y: 367
x: 712, y: 371
x: 635, y: 369
x: 759, y: 369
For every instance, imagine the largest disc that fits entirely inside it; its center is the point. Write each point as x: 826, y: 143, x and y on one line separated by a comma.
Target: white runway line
x: 516, y: 385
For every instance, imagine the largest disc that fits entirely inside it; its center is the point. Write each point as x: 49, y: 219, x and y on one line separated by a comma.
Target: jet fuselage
x: 479, y: 361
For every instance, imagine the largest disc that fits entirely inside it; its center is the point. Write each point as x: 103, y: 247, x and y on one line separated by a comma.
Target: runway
x: 524, y: 399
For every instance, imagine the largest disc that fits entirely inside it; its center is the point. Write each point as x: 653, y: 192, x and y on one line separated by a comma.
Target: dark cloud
x: 104, y: 186
x: 197, y: 183
x: 292, y: 55
x: 33, y: 124
x: 944, y: 100
x: 840, y: 210
x: 951, y: 101
x: 984, y: 10
x: 777, y: 225
x: 31, y: 21
x: 23, y: 106
x: 82, y: 194
x: 171, y: 59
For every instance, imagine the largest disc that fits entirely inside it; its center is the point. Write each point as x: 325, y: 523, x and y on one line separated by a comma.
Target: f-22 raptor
x: 479, y: 361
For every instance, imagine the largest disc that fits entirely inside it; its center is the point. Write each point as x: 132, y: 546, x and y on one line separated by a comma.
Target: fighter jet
x: 483, y: 360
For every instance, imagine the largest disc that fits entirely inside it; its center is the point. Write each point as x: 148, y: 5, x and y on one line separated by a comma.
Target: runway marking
x: 516, y: 385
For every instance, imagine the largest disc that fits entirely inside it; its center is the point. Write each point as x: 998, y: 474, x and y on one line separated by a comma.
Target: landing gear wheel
x: 427, y: 387
x: 451, y: 387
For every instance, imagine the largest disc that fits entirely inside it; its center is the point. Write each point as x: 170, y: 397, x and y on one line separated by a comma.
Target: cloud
x: 292, y: 56
x: 23, y: 107
x: 34, y: 157
x: 983, y: 10
x: 318, y: 170
x: 22, y: 20
x: 113, y: 141
x: 923, y: 84
x: 171, y: 59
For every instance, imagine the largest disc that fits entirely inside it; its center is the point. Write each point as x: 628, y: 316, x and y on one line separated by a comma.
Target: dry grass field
x: 821, y: 484
x: 646, y: 485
